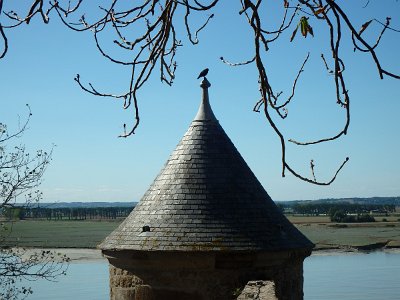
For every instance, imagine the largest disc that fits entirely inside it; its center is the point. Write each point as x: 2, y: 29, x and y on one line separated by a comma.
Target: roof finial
x: 205, y: 112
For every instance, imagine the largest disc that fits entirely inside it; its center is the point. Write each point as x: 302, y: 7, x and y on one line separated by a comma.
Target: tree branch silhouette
x: 153, y: 48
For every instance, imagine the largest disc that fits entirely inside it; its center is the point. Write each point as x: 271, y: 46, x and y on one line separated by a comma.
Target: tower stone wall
x: 203, y: 276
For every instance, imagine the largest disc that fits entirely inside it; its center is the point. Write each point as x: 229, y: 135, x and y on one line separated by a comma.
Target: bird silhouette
x: 203, y: 73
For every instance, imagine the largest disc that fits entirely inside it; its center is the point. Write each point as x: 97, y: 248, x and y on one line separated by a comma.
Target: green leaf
x: 304, y: 26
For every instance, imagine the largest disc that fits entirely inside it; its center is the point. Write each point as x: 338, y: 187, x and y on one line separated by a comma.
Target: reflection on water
x: 326, y: 277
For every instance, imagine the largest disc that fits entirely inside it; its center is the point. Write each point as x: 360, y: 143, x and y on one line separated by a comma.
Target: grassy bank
x: 361, y: 236
x: 59, y: 234
x: 88, y: 234
x: 325, y: 234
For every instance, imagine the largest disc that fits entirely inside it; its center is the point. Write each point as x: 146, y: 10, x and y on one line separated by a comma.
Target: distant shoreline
x: 353, y: 249
x: 74, y: 254
x: 77, y: 255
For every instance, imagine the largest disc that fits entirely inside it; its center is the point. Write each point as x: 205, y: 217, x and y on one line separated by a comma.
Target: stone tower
x: 205, y: 227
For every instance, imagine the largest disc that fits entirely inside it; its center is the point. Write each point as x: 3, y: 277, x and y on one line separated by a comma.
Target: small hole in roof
x: 146, y: 228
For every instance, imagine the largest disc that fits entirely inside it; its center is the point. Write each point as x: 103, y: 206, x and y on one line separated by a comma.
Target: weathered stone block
x: 258, y: 290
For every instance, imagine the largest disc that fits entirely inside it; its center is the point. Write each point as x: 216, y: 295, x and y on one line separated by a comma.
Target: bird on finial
x: 203, y: 73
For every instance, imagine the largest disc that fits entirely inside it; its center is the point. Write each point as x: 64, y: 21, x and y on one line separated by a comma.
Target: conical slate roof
x: 206, y: 198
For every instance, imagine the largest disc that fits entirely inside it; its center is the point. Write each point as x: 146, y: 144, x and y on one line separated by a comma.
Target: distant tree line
x: 339, y: 216
x: 316, y: 209
x: 70, y: 213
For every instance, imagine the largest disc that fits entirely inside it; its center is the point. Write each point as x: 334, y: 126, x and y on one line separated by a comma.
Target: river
x: 327, y: 276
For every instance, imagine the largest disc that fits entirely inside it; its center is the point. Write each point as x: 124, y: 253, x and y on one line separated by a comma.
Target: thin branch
x: 362, y: 41
x: 20, y: 130
x: 277, y: 107
x: 239, y: 63
x: 5, y: 41
x: 313, y: 181
x: 156, y: 41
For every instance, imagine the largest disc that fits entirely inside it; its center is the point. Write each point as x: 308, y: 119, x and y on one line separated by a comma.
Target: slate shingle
x: 206, y: 198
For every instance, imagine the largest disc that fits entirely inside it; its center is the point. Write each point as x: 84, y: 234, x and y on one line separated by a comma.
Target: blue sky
x: 90, y: 163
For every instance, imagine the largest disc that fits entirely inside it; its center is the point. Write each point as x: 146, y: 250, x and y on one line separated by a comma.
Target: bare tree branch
x: 156, y: 42
x: 21, y: 173
x: 5, y: 41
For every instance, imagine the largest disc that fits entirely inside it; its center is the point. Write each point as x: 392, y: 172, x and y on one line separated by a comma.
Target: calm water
x: 374, y: 276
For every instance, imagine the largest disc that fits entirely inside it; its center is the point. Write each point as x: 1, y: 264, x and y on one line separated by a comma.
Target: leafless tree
x: 17, y: 265
x: 157, y: 44
x: 20, y: 171
x: 20, y: 175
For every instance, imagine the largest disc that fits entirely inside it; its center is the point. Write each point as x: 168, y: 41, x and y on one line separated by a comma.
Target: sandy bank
x: 84, y: 254
x: 74, y: 254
